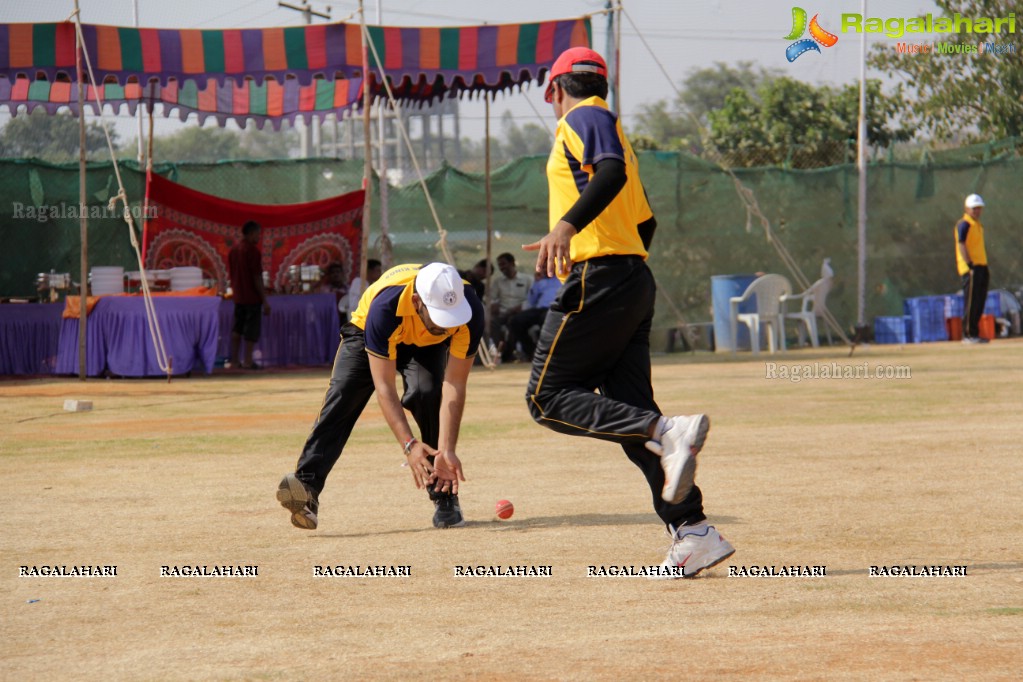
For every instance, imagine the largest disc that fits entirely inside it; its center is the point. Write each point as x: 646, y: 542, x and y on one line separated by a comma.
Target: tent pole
x: 367, y: 83
x: 488, y: 293
x: 83, y: 222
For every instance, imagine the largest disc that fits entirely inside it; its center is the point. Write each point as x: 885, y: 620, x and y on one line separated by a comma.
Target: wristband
x: 408, y: 445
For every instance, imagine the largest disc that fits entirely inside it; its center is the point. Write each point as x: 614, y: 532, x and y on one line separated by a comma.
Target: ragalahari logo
x: 818, y: 36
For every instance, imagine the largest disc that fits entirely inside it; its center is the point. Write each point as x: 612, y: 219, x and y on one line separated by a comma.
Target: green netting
x: 702, y: 223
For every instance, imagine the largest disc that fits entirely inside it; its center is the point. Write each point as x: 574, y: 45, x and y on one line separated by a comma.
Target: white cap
x: 442, y: 291
x: 974, y: 200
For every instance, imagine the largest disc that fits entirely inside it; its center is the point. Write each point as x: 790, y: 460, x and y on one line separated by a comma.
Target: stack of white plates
x: 186, y: 277
x: 106, y: 279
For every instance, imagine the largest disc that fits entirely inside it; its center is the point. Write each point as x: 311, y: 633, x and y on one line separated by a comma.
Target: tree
x: 51, y: 138
x: 195, y: 144
x: 677, y: 125
x: 205, y: 145
x: 951, y: 94
x: 788, y: 122
x: 527, y: 140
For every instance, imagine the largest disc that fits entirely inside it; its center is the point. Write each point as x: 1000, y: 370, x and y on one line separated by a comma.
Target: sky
x: 676, y: 36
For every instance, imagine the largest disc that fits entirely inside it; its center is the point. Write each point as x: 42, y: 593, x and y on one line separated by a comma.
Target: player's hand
x: 554, y: 250
x: 447, y: 472
x: 419, y: 463
x: 266, y: 308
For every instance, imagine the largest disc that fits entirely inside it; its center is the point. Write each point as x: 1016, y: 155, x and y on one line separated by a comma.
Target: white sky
x: 682, y: 35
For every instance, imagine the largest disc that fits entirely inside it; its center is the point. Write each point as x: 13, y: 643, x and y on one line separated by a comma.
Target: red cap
x: 575, y: 60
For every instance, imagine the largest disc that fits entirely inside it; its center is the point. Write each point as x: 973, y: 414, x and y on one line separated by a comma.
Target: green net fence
x: 702, y: 224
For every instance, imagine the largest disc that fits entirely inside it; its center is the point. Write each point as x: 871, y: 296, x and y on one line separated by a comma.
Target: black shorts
x: 248, y: 321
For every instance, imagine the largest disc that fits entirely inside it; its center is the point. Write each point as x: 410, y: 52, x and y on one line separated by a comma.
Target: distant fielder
x: 591, y: 369
x: 424, y: 323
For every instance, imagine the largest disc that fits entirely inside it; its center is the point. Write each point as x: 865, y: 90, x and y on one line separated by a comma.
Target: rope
x: 745, y: 194
x: 154, y: 328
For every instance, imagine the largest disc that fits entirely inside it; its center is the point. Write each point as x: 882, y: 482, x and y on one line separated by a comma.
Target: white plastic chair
x: 768, y: 290
x: 813, y: 305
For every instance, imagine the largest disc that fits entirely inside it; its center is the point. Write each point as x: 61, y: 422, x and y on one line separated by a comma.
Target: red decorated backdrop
x: 191, y: 228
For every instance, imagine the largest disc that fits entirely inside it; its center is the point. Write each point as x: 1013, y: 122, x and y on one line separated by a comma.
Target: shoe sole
x: 687, y: 472
x: 687, y: 576
x: 293, y: 496
x: 449, y: 525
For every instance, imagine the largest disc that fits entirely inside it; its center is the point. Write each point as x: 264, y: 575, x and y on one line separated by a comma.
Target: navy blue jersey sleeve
x: 597, y: 129
x: 962, y: 229
x: 382, y: 320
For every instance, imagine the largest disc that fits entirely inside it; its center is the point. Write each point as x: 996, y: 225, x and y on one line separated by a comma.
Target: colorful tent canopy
x: 424, y: 62
x: 259, y: 102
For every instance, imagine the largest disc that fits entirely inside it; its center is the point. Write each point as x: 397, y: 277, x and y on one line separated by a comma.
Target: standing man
x: 591, y: 370
x: 512, y: 290
x: 971, y: 259
x: 245, y: 268
x: 424, y: 323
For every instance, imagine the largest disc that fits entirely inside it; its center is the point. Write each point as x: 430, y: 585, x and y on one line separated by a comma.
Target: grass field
x: 845, y: 473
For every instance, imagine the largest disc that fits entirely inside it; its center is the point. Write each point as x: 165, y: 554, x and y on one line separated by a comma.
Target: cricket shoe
x: 693, y: 549
x: 678, y: 448
x: 298, y: 498
x: 447, y: 513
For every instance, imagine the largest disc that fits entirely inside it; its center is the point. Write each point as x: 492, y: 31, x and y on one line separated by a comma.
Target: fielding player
x: 591, y: 369
x: 425, y: 323
x: 971, y: 262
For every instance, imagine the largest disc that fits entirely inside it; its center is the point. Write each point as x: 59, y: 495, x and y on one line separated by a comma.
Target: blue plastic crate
x: 891, y: 329
x: 953, y: 305
x: 992, y: 306
x: 927, y: 319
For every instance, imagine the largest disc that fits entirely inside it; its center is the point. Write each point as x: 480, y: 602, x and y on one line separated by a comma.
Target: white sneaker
x: 678, y: 448
x: 695, y: 548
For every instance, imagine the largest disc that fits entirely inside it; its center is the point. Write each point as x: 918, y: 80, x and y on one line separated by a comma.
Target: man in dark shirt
x: 245, y: 268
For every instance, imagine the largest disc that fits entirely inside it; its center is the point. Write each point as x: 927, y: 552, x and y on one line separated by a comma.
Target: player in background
x: 591, y: 371
x: 424, y: 323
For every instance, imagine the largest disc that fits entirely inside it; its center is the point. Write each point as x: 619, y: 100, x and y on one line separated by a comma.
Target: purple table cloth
x: 118, y: 338
x: 29, y: 333
x: 301, y: 330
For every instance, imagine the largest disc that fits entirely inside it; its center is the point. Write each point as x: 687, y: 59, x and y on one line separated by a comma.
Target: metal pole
x: 367, y: 87
x: 138, y: 112
x: 861, y: 167
x: 385, y: 239
x: 83, y: 222
x: 616, y: 83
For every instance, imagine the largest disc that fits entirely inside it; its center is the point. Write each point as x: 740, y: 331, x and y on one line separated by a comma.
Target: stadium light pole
x: 861, y: 167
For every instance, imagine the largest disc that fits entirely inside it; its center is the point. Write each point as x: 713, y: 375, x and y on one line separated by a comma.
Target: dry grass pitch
x: 846, y: 474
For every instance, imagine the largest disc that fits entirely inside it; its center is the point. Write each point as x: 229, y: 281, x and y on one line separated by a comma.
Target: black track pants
x: 591, y: 370
x: 351, y: 386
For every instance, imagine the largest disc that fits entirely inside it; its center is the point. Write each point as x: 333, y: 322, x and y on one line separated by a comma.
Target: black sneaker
x: 298, y: 498
x: 448, y: 513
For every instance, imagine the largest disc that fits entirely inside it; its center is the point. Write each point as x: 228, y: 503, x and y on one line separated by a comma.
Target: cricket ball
x: 504, y: 509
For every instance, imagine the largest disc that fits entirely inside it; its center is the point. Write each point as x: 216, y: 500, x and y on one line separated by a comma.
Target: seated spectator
x: 541, y: 295
x: 334, y: 281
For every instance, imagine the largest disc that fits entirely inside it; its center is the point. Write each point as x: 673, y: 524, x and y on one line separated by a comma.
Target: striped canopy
x: 259, y: 102
x: 422, y: 62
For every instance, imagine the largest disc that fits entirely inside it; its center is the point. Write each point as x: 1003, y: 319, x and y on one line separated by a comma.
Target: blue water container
x: 722, y: 288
